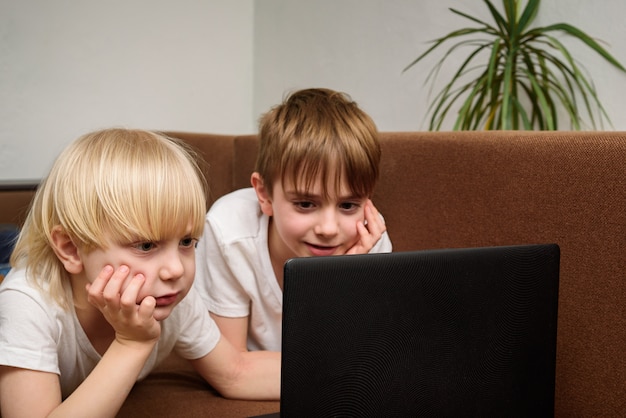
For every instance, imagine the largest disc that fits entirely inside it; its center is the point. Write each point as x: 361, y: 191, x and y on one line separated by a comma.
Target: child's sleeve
x: 199, y: 334
x: 28, y: 335
x: 215, y: 281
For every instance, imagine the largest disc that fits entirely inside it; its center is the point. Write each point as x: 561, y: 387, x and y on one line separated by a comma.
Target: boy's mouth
x: 320, y: 250
x: 166, y: 299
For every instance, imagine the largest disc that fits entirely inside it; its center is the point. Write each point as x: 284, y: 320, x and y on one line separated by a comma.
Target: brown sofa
x: 467, y: 189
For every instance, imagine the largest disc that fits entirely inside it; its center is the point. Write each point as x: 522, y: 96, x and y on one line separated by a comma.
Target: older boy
x: 316, y: 170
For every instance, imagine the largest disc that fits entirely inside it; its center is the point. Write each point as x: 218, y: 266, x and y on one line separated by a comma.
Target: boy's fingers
x: 362, y: 229
x: 95, y: 290
x: 364, y: 244
x: 128, y: 299
x: 147, y: 307
x: 375, y: 223
x: 97, y: 287
x: 373, y: 209
x: 113, y: 288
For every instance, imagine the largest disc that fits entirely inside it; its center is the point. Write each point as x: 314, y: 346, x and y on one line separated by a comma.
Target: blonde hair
x: 119, y: 184
x: 319, y: 133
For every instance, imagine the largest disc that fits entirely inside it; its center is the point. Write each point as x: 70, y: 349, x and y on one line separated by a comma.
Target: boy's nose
x: 327, y: 223
x: 172, y: 266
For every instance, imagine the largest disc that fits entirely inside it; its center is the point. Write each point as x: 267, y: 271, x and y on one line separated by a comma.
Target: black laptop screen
x: 454, y: 332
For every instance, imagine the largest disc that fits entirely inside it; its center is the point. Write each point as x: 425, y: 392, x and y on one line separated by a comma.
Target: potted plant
x: 516, y: 76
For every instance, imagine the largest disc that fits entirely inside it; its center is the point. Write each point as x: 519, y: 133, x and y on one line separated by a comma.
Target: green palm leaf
x: 528, y: 79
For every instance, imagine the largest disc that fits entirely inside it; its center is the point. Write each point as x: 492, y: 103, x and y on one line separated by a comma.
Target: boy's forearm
x: 260, y: 378
x: 253, y: 375
x: 106, y: 388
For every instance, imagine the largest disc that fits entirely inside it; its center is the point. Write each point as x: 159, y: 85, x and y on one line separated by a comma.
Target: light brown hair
x: 319, y: 132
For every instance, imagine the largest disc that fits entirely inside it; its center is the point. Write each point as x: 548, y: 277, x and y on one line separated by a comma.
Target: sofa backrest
x: 216, y: 158
x: 14, y: 203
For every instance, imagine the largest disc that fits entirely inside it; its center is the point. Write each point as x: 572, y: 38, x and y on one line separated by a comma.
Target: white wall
x: 68, y: 67
x: 361, y: 47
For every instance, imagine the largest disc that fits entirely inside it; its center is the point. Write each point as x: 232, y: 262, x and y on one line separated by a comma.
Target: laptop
x: 448, y: 332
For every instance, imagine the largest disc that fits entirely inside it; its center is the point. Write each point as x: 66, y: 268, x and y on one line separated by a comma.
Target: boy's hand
x: 132, y: 322
x: 369, y: 231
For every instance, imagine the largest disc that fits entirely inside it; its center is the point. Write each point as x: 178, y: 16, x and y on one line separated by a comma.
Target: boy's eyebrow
x: 308, y: 195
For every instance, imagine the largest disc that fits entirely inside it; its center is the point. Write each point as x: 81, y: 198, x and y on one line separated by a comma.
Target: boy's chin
x: 162, y: 313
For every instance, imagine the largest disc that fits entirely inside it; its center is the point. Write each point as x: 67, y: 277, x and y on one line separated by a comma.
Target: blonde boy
x: 100, y: 287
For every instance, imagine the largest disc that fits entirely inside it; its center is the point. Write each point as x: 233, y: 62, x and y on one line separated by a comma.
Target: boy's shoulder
x: 16, y: 282
x: 236, y: 215
x: 28, y: 308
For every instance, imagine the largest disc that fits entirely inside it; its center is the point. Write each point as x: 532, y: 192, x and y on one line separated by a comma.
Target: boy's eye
x: 145, y: 246
x: 348, y: 206
x: 304, y: 205
x: 188, y: 242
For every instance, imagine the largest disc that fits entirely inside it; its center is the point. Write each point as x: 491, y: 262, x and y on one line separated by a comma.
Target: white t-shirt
x: 37, y: 334
x: 234, y: 274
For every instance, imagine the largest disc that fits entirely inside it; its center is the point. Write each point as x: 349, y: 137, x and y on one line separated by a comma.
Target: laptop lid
x: 451, y: 332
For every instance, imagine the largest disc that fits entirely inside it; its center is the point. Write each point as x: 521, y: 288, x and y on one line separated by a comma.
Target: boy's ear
x: 265, y: 200
x: 66, y: 251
